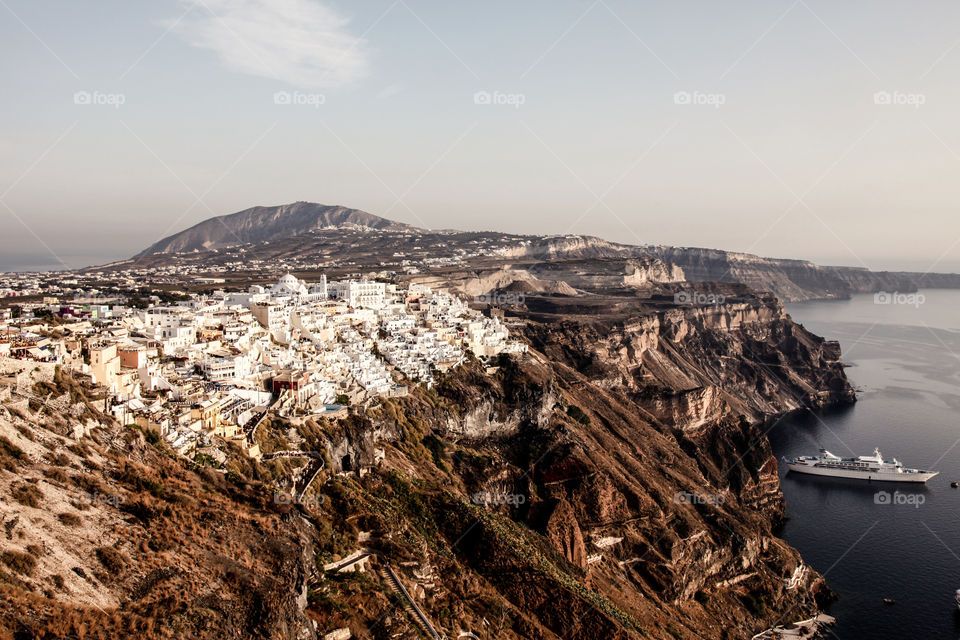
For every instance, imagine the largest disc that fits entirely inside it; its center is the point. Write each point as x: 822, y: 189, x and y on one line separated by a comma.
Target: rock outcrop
x: 563, y: 533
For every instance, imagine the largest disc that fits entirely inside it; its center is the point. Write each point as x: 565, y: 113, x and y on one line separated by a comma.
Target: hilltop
x: 263, y: 224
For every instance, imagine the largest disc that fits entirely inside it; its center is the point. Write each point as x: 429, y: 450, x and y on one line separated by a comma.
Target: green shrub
x: 577, y: 414
x: 437, y: 450
x: 754, y: 602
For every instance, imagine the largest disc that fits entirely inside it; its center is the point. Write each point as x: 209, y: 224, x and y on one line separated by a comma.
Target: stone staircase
x: 410, y: 606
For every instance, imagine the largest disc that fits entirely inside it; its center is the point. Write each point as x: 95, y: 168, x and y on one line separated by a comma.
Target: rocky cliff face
x: 567, y: 277
x: 691, y: 364
x: 609, y: 273
x: 795, y: 280
x: 565, y: 247
x: 626, y: 488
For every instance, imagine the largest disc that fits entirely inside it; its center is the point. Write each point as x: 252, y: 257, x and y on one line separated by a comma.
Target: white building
x: 288, y: 285
x: 359, y: 293
x: 220, y: 368
x: 274, y: 317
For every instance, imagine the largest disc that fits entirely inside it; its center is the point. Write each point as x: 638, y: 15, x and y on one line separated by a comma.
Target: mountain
x: 263, y: 224
x: 296, y: 234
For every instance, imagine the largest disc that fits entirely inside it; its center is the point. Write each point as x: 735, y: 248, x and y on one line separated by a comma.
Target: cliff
x: 638, y: 491
x: 565, y: 247
x: 795, y: 280
x: 614, y: 481
x: 568, y: 277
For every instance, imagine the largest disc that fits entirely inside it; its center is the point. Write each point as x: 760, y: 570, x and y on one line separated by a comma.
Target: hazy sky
x: 812, y: 129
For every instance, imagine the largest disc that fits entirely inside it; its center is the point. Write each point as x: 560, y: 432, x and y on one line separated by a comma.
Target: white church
x: 289, y: 286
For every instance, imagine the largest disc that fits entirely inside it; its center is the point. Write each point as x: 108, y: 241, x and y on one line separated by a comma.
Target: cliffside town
x: 616, y: 466
x: 459, y: 441
x: 211, y: 365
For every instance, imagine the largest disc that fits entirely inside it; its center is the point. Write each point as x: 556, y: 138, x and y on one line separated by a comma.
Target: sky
x: 799, y: 128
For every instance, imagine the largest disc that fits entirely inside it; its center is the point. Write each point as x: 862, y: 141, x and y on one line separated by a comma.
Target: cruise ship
x: 862, y: 467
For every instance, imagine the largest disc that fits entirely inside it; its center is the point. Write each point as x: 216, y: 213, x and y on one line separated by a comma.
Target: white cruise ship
x: 862, y: 467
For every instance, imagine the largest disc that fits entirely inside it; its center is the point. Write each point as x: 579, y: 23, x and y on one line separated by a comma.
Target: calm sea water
x: 904, y: 360
x: 48, y: 262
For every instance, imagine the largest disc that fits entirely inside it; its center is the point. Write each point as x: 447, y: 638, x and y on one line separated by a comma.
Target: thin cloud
x: 389, y: 91
x: 299, y: 42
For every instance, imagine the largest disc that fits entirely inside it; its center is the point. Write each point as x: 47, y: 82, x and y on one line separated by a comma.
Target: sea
x: 17, y: 262
x: 877, y: 541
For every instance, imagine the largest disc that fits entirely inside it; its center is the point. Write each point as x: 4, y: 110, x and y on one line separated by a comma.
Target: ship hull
x: 916, y: 478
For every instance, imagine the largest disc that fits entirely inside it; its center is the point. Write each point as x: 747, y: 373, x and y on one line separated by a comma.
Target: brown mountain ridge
x: 263, y: 224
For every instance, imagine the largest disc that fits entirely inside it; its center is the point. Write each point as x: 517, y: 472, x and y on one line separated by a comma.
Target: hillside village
x: 211, y: 365
x: 438, y: 457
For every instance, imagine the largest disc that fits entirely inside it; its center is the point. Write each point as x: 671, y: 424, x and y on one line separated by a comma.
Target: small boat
x: 889, y: 601
x: 955, y: 484
x: 956, y: 598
